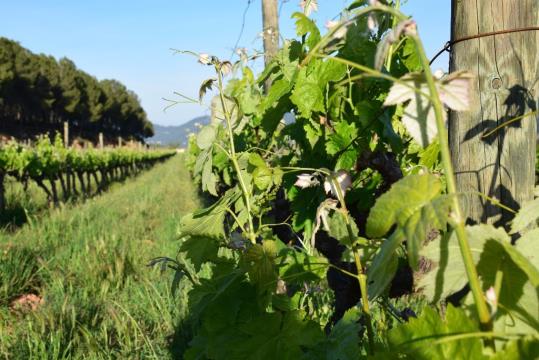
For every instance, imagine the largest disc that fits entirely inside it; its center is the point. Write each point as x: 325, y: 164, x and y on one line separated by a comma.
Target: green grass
x: 27, y: 202
x: 88, y: 262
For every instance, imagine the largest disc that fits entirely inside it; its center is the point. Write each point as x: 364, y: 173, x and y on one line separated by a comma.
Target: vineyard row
x: 53, y: 167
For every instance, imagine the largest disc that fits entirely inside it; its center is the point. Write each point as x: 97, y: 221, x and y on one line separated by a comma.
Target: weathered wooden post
x: 66, y: 134
x: 119, y: 141
x: 270, y: 23
x: 101, y: 142
x: 506, y: 69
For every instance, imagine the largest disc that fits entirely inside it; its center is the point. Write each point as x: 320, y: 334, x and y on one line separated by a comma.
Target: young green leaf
x: 404, y: 198
x: 262, y: 177
x: 416, y: 337
x: 384, y: 265
x: 338, y: 229
x: 259, y: 261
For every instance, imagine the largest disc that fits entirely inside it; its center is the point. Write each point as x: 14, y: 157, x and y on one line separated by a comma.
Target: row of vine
x: 340, y: 235
x: 53, y: 166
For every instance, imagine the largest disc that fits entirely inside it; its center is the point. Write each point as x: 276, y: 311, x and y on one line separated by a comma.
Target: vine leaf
x: 493, y: 254
x: 262, y: 177
x: 308, y: 6
x: 384, y: 265
x: 206, y: 137
x: 518, y: 299
x: 308, y: 97
x: 446, y: 273
x: 419, y: 117
x: 305, y: 26
x: 209, y: 222
x: 415, y: 205
x: 411, y: 338
x: 298, y: 267
x: 338, y: 229
x: 200, y: 249
x: 209, y: 181
x: 432, y: 215
x: 525, y: 216
x: 204, y: 87
x: 306, y: 180
x: 521, y: 348
x: 259, y: 261
x: 277, y: 336
x: 400, y: 201
x: 343, y: 341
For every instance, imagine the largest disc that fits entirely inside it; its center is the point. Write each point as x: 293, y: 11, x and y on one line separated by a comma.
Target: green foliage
x: 427, y: 337
x: 343, y: 341
x: 51, y: 165
x: 39, y: 91
x: 525, y: 217
x: 322, y: 216
x: 415, y: 205
x: 510, y: 270
x: 338, y: 228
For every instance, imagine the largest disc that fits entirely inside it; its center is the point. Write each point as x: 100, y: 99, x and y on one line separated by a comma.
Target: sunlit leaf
x: 262, y: 177
x: 419, y: 116
x: 206, y: 136
x: 403, y: 199
x: 259, y: 260
x: 308, y: 6
x: 526, y: 216
x: 454, y: 90
x: 416, y: 337
x: 444, y: 273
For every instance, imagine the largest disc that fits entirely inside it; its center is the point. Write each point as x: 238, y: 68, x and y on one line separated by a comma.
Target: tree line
x: 39, y: 93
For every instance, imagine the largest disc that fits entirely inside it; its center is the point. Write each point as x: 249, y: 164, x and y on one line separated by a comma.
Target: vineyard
x: 54, y: 167
x: 346, y: 202
x: 74, y: 283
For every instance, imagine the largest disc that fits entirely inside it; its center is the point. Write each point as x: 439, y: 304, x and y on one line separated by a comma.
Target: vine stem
x: 457, y: 216
x: 361, y: 274
x: 234, y: 159
x: 392, y: 46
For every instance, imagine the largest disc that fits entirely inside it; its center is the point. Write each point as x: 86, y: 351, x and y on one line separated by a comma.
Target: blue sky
x: 130, y: 40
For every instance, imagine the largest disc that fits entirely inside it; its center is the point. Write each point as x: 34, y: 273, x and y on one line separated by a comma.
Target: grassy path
x: 88, y: 265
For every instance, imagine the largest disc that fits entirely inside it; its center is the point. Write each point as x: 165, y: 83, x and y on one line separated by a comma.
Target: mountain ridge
x: 176, y: 135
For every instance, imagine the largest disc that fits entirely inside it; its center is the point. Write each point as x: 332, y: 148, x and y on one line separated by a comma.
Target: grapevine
x: 352, y: 201
x: 51, y: 164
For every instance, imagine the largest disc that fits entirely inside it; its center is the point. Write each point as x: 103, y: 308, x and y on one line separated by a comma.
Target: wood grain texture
x: 506, y: 73
x: 270, y: 21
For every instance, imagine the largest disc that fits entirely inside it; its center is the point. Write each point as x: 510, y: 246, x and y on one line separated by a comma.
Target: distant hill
x: 176, y: 135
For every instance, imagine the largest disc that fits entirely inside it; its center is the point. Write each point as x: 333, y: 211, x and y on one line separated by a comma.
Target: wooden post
x: 66, y: 134
x: 506, y: 69
x: 119, y: 141
x: 101, y: 142
x: 270, y: 23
